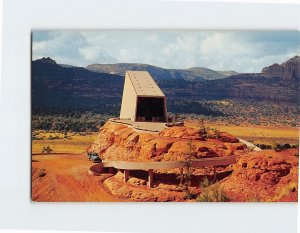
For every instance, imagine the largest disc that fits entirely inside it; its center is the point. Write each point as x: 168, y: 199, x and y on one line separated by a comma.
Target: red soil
x: 65, y: 179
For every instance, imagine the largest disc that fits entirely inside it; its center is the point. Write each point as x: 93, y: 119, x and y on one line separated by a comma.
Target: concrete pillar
x: 181, y: 175
x: 150, y: 178
x: 111, y: 170
x: 126, y: 175
x: 215, y: 173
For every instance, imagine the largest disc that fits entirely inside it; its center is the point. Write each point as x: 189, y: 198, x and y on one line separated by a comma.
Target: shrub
x: 280, y: 147
x: 42, y: 173
x: 213, y: 133
x: 207, y: 132
x: 205, y: 183
x: 53, y: 137
x: 264, y: 146
x: 285, y: 191
x: 47, y: 150
x: 213, y: 193
x: 202, y: 129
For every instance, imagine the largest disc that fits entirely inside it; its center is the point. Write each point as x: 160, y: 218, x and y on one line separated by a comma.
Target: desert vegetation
x: 211, y: 192
x: 239, y: 112
x: 185, y: 176
x: 49, y: 141
x: 267, y: 127
x: 69, y: 122
x: 225, y: 112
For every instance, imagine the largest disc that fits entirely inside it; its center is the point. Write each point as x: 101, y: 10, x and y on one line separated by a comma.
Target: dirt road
x: 64, y: 177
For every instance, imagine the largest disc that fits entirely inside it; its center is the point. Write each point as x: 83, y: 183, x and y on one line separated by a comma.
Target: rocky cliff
x: 292, y: 69
x: 288, y: 71
x: 273, y: 70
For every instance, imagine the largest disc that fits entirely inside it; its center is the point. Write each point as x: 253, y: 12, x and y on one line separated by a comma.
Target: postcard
x: 165, y: 116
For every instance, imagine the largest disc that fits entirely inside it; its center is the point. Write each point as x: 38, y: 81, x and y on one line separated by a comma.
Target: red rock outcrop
x: 273, y: 70
x: 122, y: 142
x: 288, y: 71
x: 292, y: 69
x: 264, y: 176
x: 257, y: 176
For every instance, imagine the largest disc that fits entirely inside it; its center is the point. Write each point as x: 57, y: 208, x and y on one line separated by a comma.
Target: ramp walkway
x: 249, y: 144
x: 150, y: 166
x: 149, y: 127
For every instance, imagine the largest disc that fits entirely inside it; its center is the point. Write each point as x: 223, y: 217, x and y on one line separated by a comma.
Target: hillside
x: 227, y: 73
x: 208, y: 74
x: 58, y: 88
x: 196, y: 73
x: 245, y: 87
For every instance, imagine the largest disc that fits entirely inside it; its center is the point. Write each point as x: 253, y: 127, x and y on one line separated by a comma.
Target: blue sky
x: 242, y: 51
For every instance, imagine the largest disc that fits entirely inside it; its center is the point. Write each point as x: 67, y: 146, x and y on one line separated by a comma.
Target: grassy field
x: 269, y: 135
x: 62, y: 143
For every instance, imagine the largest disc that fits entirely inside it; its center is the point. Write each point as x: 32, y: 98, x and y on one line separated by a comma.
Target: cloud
x: 222, y: 50
x: 62, y: 46
x: 243, y: 51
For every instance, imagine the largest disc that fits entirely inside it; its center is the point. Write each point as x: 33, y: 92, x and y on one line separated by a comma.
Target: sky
x: 241, y: 51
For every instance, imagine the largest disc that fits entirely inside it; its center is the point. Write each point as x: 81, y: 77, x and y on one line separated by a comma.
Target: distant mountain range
x: 99, y: 87
x: 196, y: 73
